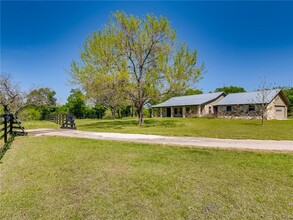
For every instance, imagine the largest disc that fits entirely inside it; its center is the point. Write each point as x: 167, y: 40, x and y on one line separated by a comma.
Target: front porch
x: 179, y: 112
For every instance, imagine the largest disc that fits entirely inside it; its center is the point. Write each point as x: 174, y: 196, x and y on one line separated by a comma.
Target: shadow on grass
x: 6, y: 147
x: 120, y: 124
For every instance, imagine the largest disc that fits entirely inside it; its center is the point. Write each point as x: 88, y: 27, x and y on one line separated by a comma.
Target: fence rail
x: 9, y: 125
x: 66, y: 121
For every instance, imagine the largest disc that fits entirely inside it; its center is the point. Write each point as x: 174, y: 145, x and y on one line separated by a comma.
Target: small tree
x: 261, y: 100
x: 11, y: 98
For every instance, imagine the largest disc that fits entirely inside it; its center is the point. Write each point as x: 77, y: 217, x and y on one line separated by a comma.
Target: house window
x: 251, y: 108
x: 228, y: 108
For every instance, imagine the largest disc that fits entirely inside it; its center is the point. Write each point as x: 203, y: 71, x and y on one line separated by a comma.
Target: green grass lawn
x: 192, y: 127
x: 39, y: 124
x: 67, y: 178
x: 195, y: 127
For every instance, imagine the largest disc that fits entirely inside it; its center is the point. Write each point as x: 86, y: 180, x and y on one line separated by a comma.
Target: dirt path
x: 179, y: 141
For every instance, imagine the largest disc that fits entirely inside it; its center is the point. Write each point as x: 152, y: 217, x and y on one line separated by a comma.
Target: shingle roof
x: 248, y: 98
x: 189, y: 100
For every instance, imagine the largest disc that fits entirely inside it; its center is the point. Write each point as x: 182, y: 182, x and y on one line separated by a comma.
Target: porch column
x: 199, y: 111
x: 172, y: 112
x: 161, y: 112
x: 152, y: 112
x: 183, y: 112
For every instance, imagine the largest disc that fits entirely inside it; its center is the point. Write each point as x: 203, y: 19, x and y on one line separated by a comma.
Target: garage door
x: 280, y: 112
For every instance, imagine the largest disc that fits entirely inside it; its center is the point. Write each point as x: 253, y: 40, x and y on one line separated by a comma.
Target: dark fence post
x: 5, y: 128
x: 8, y: 127
x: 11, y: 123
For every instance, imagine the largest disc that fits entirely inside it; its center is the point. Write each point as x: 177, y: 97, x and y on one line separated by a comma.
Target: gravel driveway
x: 167, y: 140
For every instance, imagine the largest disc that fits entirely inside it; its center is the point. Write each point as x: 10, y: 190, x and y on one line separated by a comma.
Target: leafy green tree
x: 142, y: 58
x: 76, y: 103
x: 100, y: 111
x: 43, y: 99
x: 97, y: 111
x: 103, y: 74
x: 126, y: 111
x: 29, y: 113
x: 42, y: 96
x: 89, y: 112
x: 230, y: 89
x: 62, y: 109
x: 192, y: 92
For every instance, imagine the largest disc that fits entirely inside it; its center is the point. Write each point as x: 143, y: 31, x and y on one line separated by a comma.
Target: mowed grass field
x: 68, y: 178
x: 193, y: 127
x: 39, y: 124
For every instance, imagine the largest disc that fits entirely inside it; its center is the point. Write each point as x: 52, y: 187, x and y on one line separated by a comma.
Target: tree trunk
x: 132, y: 109
x: 119, y: 113
x: 140, y: 116
x: 113, y: 112
x: 263, y: 115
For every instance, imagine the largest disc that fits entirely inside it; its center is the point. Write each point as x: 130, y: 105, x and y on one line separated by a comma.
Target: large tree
x: 103, y: 72
x: 143, y: 54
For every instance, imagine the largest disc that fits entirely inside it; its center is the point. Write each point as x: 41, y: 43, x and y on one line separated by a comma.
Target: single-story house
x: 189, y: 106
x: 248, y: 105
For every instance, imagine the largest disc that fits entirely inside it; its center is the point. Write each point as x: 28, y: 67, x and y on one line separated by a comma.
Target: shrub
x: 30, y: 114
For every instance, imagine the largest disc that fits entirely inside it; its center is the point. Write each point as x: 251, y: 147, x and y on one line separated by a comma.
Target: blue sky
x: 239, y: 42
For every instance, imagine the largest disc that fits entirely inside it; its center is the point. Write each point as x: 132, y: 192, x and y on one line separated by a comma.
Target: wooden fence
x: 66, y: 121
x: 9, y: 125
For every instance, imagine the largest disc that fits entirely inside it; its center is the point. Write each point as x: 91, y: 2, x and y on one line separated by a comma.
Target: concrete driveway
x: 167, y: 140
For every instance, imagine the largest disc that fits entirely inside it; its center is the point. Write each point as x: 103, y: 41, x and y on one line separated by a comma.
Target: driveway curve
x: 270, y: 145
